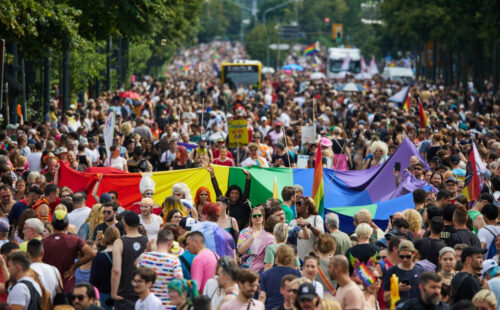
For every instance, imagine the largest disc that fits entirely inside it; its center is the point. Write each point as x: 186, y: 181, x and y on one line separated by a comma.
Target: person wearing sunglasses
x: 84, y: 297
x: 407, y: 272
x: 108, y: 220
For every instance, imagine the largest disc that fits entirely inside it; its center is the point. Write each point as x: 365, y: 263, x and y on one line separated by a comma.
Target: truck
x: 336, y: 56
x: 398, y: 74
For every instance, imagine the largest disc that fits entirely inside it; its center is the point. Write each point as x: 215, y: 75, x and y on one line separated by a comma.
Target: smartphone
x: 397, y: 166
x: 406, y: 282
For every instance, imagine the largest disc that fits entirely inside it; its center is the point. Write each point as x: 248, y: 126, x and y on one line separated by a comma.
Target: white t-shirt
x: 152, y: 228
x: 118, y: 163
x: 78, y: 216
x: 319, y: 289
x: 212, y: 291
x: 305, y: 246
x: 485, y: 235
x: 20, y: 293
x: 49, y: 277
x: 150, y: 303
x: 34, y: 159
x: 249, y: 162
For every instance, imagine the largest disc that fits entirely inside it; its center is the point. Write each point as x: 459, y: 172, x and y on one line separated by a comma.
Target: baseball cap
x: 131, y: 218
x: 105, y: 198
x: 406, y: 245
x: 469, y: 251
x: 306, y: 291
x: 394, y: 232
x: 451, y: 179
x: 488, y: 265
x: 187, y: 223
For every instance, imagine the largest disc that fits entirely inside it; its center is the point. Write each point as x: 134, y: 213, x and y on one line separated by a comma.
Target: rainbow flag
x: 424, y: 121
x: 365, y: 274
x: 318, y: 190
x: 275, y: 189
x: 312, y: 49
x: 406, y: 104
x: 472, y: 189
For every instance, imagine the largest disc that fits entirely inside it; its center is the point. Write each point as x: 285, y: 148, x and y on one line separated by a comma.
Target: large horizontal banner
x: 373, y: 188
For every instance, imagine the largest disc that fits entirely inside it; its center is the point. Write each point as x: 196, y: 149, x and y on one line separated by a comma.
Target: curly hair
x: 379, y: 145
x: 413, y: 218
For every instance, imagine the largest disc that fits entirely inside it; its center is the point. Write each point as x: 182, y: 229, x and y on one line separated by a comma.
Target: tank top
x: 132, y: 248
x: 473, y: 215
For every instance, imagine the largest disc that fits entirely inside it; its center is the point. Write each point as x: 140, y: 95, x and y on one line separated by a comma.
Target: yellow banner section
x: 194, y: 179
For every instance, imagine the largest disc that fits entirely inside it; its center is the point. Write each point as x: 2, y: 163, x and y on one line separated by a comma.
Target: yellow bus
x: 242, y: 73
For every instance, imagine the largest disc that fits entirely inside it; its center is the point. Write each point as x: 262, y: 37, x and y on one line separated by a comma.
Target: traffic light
x: 337, y: 32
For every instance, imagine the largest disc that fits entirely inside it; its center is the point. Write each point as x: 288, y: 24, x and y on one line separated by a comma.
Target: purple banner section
x: 378, y: 181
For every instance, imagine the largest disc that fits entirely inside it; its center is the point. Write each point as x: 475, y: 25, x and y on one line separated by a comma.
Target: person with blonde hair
x: 414, y: 218
x: 378, y: 150
x: 485, y: 300
x: 95, y: 218
x: 173, y: 203
x: 280, y: 233
x: 364, y: 250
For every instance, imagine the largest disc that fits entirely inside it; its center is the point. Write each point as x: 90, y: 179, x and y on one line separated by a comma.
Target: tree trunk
x: 46, y: 84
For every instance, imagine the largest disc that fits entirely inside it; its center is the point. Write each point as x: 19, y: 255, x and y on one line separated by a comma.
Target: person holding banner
x: 115, y: 160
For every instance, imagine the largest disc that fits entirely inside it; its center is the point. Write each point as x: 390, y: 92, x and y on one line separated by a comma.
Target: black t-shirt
x: 447, y: 232
x: 464, y: 236
x: 463, y: 286
x: 411, y: 276
x: 428, y: 248
x: 338, y: 145
x: 362, y: 252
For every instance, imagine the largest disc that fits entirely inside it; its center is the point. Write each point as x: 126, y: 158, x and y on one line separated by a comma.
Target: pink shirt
x: 203, y: 267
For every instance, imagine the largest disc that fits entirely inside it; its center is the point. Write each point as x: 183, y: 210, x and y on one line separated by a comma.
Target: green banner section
x: 261, y: 187
x: 350, y: 211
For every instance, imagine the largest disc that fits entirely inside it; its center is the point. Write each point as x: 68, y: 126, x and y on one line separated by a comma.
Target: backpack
x: 35, y: 298
x: 46, y: 301
x: 492, y: 250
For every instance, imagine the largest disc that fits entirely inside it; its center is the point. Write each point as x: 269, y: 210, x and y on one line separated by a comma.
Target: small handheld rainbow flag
x: 312, y: 49
x: 406, y: 104
x: 424, y: 121
x: 365, y: 274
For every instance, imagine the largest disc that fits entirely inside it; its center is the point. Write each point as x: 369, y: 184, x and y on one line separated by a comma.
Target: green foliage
x: 138, y: 53
x: 86, y: 64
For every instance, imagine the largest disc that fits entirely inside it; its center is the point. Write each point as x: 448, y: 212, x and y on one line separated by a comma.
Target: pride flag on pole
x: 406, y: 104
x: 312, y: 49
x: 318, y: 189
x: 424, y: 121
x: 472, y: 189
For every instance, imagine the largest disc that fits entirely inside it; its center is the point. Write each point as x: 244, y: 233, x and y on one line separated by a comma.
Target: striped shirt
x: 167, y: 267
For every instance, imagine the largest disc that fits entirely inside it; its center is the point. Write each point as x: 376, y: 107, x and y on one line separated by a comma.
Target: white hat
x: 487, y: 265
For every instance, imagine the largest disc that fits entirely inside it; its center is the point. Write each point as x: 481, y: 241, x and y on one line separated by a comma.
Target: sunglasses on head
x: 257, y: 215
x: 405, y: 256
x: 79, y: 297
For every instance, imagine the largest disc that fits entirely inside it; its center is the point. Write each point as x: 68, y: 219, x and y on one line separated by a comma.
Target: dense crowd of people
x: 222, y: 252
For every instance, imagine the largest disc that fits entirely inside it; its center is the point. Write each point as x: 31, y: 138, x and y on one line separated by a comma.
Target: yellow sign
x: 238, y: 133
x: 337, y: 32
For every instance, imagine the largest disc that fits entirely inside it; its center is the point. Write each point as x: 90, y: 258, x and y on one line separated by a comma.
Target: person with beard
x: 465, y: 284
x: 248, y: 283
x: 109, y: 216
x: 430, y: 290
